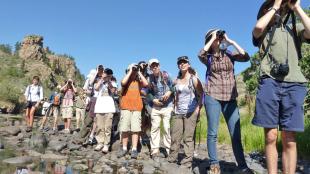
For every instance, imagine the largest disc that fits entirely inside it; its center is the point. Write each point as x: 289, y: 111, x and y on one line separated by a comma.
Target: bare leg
x: 44, y: 119
x: 125, y: 136
x: 33, y: 109
x: 271, y: 150
x: 27, y: 116
x: 55, y: 123
x: 135, y: 139
x: 68, y: 123
x: 289, y: 154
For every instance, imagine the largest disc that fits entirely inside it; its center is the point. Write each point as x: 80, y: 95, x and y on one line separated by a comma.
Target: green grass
x: 253, y: 136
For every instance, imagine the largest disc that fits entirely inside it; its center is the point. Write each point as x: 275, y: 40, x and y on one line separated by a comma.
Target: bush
x: 6, y: 48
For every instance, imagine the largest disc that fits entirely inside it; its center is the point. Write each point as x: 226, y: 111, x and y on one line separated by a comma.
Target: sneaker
x: 246, y: 171
x: 67, y: 131
x: 105, y: 149
x: 99, y: 147
x: 134, y: 154
x: 121, y: 153
x: 214, y: 169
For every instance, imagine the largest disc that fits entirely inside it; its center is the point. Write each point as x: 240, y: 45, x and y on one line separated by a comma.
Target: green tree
x: 17, y: 47
x: 6, y: 48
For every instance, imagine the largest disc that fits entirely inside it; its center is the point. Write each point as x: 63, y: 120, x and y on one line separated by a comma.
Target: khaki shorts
x: 67, y: 112
x: 130, y: 121
x: 54, y: 111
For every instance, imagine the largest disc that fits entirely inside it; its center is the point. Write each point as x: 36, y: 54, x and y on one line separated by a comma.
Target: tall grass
x: 252, y: 136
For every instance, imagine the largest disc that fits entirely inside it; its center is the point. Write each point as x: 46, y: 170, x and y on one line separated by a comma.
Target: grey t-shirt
x: 282, y: 48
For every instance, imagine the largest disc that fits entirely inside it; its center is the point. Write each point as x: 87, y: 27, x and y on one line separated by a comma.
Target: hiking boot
x: 214, y: 169
x: 134, y: 154
x: 121, y: 153
x: 247, y: 171
x: 99, y: 147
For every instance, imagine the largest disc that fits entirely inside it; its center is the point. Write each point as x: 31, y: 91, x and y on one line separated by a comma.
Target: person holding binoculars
x: 282, y: 86
x: 131, y: 106
x: 69, y: 91
x: 221, y: 94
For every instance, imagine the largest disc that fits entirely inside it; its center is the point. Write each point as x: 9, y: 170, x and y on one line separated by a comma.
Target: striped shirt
x: 220, y: 78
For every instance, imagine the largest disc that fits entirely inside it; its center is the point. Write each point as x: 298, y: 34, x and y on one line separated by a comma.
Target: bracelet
x: 273, y: 9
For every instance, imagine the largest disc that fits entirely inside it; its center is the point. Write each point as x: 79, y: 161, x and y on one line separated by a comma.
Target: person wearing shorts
x: 131, y: 106
x: 67, y: 104
x: 282, y: 86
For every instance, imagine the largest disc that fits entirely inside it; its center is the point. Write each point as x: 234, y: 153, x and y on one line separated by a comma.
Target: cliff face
x: 30, y: 60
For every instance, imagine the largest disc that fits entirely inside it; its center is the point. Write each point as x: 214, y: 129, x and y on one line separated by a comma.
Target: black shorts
x: 30, y: 104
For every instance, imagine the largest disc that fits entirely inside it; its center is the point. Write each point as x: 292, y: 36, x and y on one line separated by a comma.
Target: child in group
x: 54, y: 109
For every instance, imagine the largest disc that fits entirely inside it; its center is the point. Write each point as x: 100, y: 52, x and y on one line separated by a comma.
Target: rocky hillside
x: 32, y: 58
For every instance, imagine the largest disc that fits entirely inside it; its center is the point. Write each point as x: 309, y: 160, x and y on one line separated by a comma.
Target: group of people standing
x: 147, y: 90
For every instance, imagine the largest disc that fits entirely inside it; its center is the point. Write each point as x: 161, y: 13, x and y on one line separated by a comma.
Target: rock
x: 18, y: 160
x: 33, y: 153
x: 38, y: 142
x: 53, y: 157
x: 57, y: 145
x: 148, y: 169
x: 13, y: 130
x: 32, y: 48
x: 122, y: 170
x: 80, y: 167
x: 98, y: 168
x: 107, y: 169
x: 73, y: 147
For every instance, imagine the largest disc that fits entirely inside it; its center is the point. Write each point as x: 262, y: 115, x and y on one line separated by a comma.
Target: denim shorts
x: 280, y: 105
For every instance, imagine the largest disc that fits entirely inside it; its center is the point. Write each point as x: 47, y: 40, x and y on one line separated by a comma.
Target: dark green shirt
x: 282, y: 47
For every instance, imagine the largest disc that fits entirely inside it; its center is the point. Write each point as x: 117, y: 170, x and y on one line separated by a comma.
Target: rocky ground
x: 58, y: 153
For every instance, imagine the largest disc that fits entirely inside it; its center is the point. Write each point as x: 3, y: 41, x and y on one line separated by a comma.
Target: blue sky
x: 117, y: 33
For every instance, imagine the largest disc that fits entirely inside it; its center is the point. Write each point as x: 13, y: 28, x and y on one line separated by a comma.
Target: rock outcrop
x: 32, y: 48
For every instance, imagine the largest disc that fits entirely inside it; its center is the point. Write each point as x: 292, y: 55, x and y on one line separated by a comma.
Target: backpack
x: 56, y: 100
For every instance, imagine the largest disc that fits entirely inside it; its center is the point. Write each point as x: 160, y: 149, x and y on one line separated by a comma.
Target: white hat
x: 151, y: 61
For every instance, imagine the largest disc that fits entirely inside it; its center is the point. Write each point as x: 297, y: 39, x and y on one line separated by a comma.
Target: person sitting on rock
x: 33, y: 95
x: 131, y: 106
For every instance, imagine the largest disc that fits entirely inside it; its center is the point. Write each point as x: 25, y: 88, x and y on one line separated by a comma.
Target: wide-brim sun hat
x: 209, y: 35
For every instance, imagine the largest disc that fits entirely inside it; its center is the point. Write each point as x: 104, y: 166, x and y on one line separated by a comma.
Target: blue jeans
x: 231, y: 114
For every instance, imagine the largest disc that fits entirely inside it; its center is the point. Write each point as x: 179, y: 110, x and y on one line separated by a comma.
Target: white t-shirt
x: 45, y: 107
x: 104, y: 104
x: 34, y: 94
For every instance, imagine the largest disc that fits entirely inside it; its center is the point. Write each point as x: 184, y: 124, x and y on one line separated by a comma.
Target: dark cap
x: 184, y: 58
x: 108, y: 71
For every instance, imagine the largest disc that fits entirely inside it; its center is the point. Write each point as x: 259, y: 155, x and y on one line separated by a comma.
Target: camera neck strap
x: 295, y: 37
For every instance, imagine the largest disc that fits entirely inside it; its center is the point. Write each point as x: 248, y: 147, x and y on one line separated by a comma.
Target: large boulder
x: 32, y: 48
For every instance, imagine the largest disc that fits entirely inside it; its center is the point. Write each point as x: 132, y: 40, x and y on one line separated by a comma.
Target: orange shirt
x: 132, y: 100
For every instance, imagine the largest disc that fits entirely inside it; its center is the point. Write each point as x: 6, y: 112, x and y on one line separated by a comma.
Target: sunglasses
x: 182, y: 62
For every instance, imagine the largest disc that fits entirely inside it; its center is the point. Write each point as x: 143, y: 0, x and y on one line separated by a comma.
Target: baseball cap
x: 151, y: 61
